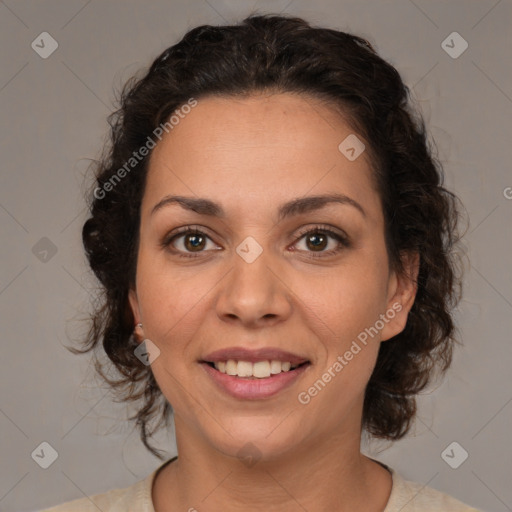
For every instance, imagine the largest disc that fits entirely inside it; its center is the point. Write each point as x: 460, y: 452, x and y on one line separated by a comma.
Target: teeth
x: 244, y: 369
x: 231, y: 367
x: 275, y: 367
x: 260, y: 370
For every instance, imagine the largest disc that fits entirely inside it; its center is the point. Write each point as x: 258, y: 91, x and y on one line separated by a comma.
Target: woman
x: 276, y: 249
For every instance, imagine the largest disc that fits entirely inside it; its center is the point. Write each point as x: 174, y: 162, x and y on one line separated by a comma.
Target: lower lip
x: 254, y: 389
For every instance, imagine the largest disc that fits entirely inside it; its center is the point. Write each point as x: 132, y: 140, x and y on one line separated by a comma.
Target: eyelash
x: 343, y: 241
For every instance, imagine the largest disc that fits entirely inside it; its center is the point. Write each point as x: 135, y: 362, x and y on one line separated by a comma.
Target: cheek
x: 170, y: 304
x: 345, y: 301
x: 335, y: 390
x: 167, y: 292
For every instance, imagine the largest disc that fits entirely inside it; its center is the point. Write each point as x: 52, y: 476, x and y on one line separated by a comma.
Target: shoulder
x: 409, y: 496
x: 136, y: 497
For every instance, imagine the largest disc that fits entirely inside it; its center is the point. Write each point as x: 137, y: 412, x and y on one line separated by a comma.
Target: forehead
x: 265, y: 148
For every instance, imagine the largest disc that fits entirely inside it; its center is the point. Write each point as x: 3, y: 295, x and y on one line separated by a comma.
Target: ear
x: 134, y: 305
x: 402, y: 290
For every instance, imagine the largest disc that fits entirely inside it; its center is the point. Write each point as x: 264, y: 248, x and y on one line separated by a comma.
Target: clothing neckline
x: 150, y: 480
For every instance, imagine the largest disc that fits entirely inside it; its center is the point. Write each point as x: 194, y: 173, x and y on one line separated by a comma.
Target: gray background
x: 54, y: 119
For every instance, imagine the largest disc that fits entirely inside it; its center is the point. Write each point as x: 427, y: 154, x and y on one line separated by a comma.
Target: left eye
x: 316, y: 240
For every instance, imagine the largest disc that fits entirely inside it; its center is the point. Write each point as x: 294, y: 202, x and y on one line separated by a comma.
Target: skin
x: 250, y: 155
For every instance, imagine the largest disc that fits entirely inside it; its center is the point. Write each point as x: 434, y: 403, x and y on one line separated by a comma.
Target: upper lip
x: 253, y: 356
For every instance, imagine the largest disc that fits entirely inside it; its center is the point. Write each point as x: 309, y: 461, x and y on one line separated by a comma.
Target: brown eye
x: 317, y: 241
x: 187, y: 243
x: 194, y: 242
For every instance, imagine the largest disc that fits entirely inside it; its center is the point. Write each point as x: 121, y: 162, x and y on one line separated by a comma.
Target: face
x: 251, y: 278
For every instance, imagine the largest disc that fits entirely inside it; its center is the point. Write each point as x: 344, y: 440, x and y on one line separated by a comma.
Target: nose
x: 254, y: 294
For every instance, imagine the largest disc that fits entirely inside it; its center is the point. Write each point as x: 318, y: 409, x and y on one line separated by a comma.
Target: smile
x: 260, y: 369
x: 253, y: 381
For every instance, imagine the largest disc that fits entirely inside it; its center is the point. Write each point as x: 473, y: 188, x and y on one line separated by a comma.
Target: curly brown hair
x: 283, y: 54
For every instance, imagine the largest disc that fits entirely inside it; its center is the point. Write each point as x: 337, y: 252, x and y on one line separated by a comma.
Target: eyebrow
x: 297, y: 206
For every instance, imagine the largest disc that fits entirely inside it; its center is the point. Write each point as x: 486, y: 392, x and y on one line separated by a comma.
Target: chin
x: 252, y: 442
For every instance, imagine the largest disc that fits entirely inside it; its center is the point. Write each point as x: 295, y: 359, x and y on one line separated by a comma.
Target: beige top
x: 405, y: 497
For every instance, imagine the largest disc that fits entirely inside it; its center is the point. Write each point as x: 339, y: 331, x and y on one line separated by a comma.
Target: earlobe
x: 402, y: 295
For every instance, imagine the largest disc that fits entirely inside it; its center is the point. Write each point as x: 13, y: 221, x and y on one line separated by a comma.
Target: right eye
x: 188, y: 242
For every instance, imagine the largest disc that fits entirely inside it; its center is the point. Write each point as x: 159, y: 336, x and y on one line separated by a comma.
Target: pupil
x: 312, y: 237
x: 194, y: 241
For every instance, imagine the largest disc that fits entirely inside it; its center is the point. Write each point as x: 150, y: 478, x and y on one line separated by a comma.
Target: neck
x: 330, y: 476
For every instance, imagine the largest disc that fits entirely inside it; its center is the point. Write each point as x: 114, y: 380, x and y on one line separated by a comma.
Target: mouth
x: 254, y: 371
x: 251, y: 374
x: 253, y: 381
